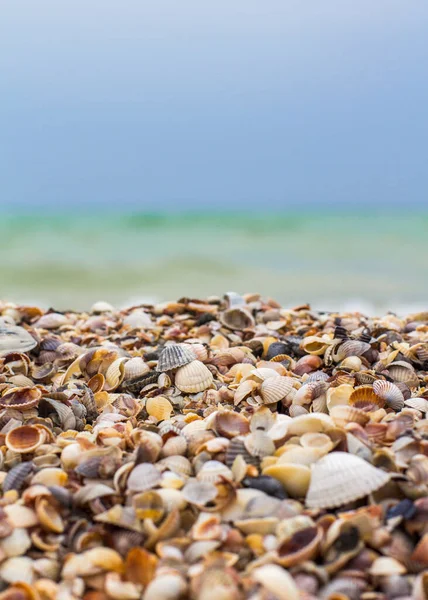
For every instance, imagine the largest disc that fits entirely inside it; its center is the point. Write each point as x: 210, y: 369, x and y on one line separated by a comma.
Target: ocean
x: 356, y: 260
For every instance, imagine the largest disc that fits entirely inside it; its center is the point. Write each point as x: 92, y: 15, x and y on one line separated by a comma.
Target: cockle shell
x: 350, y: 348
x: 339, y: 477
x: 174, y: 356
x: 159, y: 407
x: 275, y: 389
x: 344, y: 414
x: 25, y: 439
x: 237, y: 318
x: 22, y: 398
x: 277, y: 581
x: 364, y: 398
x: 390, y: 393
x: 143, y: 477
x: 193, y: 377
x: 51, y: 321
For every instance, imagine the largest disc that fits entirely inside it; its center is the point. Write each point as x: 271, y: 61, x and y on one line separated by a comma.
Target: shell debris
x: 219, y: 448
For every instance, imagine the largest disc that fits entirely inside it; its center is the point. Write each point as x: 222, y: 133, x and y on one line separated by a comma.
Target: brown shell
x: 25, y: 439
x: 21, y: 399
x: 365, y: 399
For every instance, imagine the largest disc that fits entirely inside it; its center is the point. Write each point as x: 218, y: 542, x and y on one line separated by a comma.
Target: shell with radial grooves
x: 390, y: 393
x: 193, y: 377
x: 22, y: 398
x: 365, y: 399
x: 174, y: 356
x: 339, y: 478
x: 275, y: 389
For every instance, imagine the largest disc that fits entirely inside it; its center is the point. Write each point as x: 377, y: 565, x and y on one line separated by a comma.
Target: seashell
x: 338, y: 478
x: 315, y: 422
x: 307, y: 364
x: 120, y: 516
x: 263, y: 419
x: 15, y: 339
x: 350, y: 348
x: 309, y: 392
x: 294, y: 477
x: 390, y: 393
x: 101, y: 307
x: 193, y: 377
x: 299, y: 540
x: 20, y: 516
x: 17, y: 569
x: 21, y: 399
x: 92, y: 562
x: 63, y: 413
x: 420, y: 404
x: 159, y: 407
x: 300, y: 455
x: 174, y: 356
x: 15, y: 544
x: 230, y: 424
x: 51, y: 321
x: 16, y: 477
x: 315, y: 345
x: 176, y: 445
x: 237, y: 318
x: 138, y: 319
x: 365, y: 399
x: 352, y: 363
x: 143, y: 477
x: 277, y: 581
x: 214, y: 472
x: 259, y: 444
x: 237, y: 448
x: 48, y: 516
x: 115, y: 374
x: 275, y: 389
x: 50, y: 476
x: 135, y: 367
x: 338, y: 396
x: 170, y: 586
x: 177, y: 464
x: 384, y: 566
x: 296, y: 410
x: 344, y: 414
x: 25, y: 439
x: 317, y: 441
x: 403, y: 372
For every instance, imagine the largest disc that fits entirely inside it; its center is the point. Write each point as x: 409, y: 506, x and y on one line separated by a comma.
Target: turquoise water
x: 371, y: 261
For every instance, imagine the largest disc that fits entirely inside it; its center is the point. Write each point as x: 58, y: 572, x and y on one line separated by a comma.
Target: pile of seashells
x: 224, y: 449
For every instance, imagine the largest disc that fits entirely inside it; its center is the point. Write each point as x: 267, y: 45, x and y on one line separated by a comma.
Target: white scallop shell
x: 194, y: 377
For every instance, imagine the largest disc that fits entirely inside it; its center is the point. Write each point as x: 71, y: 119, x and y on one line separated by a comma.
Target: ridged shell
x: 344, y: 414
x: 25, y: 439
x: 15, y: 339
x: 275, y: 389
x: 143, y: 477
x: 237, y: 448
x: 309, y: 392
x: 390, y: 393
x: 213, y: 471
x: 174, y: 356
x: 365, y: 399
x: 21, y: 399
x: 199, y: 492
x: 51, y: 321
x: 159, y: 407
x: 402, y: 372
x: 277, y: 581
x: 420, y: 404
x: 193, y: 377
x: 115, y: 374
x: 339, y: 478
x: 350, y: 348
x: 15, y: 478
x: 259, y: 444
x: 135, y: 367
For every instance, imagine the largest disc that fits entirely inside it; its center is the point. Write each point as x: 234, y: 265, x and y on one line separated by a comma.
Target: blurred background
x: 153, y: 150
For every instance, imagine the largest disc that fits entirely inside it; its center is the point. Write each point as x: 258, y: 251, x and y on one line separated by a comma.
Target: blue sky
x: 192, y: 104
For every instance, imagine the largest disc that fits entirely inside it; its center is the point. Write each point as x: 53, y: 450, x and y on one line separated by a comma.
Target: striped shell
x: 344, y: 414
x: 339, y: 478
x: 402, y: 372
x: 22, y: 398
x: 174, y: 356
x: 420, y: 404
x: 308, y: 392
x: 390, y: 393
x: 350, y: 348
x: 135, y: 367
x: 15, y: 339
x: 143, y: 477
x: 275, y: 389
x: 193, y: 377
x: 365, y: 399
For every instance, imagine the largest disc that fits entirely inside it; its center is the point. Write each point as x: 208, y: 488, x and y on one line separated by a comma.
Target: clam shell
x: 134, y: 367
x: 22, y: 398
x: 15, y: 478
x: 143, y: 477
x: 25, y: 439
x: 339, y: 395
x: 350, y: 348
x: 365, y: 399
x: 159, y: 407
x: 214, y: 472
x: 339, y: 478
x: 15, y: 339
x: 237, y: 318
x: 420, y: 404
x: 275, y: 389
x: 402, y: 372
x: 315, y: 422
x: 230, y: 424
x: 193, y: 377
x: 277, y: 581
x: 51, y: 321
x: 390, y: 393
x: 259, y: 444
x: 344, y: 414
x: 315, y: 345
x: 115, y: 374
x: 174, y: 356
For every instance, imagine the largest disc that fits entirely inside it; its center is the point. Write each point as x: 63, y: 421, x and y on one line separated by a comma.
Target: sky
x: 238, y: 104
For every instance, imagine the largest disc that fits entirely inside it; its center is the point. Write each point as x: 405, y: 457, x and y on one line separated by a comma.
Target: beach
x: 226, y: 443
